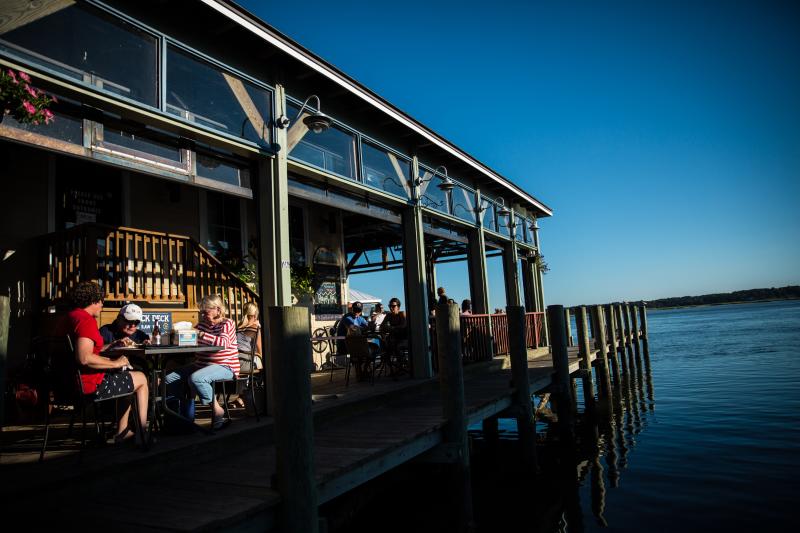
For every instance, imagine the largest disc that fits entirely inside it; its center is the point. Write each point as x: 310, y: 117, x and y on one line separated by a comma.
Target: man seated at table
x: 396, y: 328
x: 348, y: 320
x: 126, y: 326
x: 377, y: 316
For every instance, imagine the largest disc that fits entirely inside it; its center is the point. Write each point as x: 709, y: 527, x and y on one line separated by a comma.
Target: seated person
x: 101, y: 374
x: 466, y: 307
x: 377, y: 316
x: 353, y: 318
x: 126, y: 326
x: 248, y: 325
x: 395, y: 326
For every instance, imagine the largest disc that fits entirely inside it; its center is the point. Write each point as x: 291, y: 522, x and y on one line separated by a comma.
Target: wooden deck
x: 224, y: 480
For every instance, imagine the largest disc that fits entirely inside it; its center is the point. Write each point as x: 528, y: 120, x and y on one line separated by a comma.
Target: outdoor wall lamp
x: 446, y: 184
x: 504, y: 211
x: 533, y: 226
x: 317, y: 121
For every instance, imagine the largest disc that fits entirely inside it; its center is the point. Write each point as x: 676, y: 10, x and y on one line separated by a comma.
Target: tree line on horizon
x: 790, y: 292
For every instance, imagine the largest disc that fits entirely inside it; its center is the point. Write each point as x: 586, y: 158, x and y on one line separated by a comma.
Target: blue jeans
x: 200, y: 380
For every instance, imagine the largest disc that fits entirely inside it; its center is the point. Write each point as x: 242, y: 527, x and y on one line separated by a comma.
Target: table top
x: 170, y: 349
x: 328, y: 338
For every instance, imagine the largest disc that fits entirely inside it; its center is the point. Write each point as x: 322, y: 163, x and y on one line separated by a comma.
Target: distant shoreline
x: 713, y: 304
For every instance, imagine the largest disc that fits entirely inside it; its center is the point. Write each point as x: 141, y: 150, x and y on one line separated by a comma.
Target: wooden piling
x: 568, y: 326
x: 612, y: 353
x: 451, y: 379
x: 289, y: 353
x: 561, y: 381
x: 526, y: 426
x: 5, y: 317
x: 603, y: 375
x: 585, y: 357
x: 635, y: 331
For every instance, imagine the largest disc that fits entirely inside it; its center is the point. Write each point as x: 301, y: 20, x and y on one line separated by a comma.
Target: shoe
x: 122, y: 437
x: 220, y: 423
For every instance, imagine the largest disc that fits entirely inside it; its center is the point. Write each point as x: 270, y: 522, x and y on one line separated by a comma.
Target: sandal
x: 122, y: 437
x: 220, y: 423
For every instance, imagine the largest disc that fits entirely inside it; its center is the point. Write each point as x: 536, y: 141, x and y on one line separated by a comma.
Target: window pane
x: 201, y: 93
x: 297, y: 237
x: 141, y: 146
x: 224, y: 227
x: 463, y: 204
x: 332, y: 150
x: 384, y: 170
x: 63, y: 128
x: 430, y: 195
x: 87, y: 44
x: 219, y: 170
x: 488, y: 215
x: 520, y: 229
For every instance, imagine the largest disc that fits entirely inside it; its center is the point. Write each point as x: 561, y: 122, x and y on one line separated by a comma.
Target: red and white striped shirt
x: 220, y: 334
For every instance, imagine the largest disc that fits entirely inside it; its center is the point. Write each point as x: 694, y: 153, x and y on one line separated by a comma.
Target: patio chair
x: 358, y: 347
x: 63, y: 386
x: 246, y: 380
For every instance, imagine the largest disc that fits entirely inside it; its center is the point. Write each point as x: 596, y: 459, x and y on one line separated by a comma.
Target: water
x: 710, y: 442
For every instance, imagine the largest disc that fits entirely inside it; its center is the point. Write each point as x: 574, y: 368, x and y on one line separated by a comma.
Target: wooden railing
x: 500, y: 333
x: 533, y: 329
x: 137, y: 266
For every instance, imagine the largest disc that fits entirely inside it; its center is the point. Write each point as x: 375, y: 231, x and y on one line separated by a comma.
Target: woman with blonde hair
x: 214, y: 329
x: 248, y: 328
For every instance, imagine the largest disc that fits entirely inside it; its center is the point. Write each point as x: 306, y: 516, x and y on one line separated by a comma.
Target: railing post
x: 451, y: 378
x: 558, y: 345
x: 586, y: 358
x: 522, y: 391
x: 289, y: 353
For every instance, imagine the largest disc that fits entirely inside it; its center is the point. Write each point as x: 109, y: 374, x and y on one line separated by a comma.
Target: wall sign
x: 149, y: 320
x: 328, y: 294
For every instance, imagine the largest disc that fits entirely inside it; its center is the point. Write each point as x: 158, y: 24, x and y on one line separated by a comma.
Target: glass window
x: 520, y: 229
x: 206, y: 95
x: 224, y: 226
x: 139, y: 145
x: 333, y: 150
x: 463, y: 204
x: 489, y: 221
x: 63, y: 127
x: 503, y: 225
x: 87, y: 44
x: 297, y: 236
x: 385, y: 170
x: 430, y: 195
x: 220, y: 170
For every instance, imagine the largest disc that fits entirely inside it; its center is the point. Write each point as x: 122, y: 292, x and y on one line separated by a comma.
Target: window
x: 489, y: 221
x: 463, y: 204
x: 207, y: 95
x: 222, y: 171
x: 140, y: 144
x: 64, y: 128
x: 521, y: 229
x: 385, y: 170
x: 84, y: 43
x: 297, y: 236
x: 224, y: 226
x: 333, y: 150
x: 430, y: 195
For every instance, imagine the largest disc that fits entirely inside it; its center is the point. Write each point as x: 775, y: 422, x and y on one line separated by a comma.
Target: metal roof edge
x: 248, y: 20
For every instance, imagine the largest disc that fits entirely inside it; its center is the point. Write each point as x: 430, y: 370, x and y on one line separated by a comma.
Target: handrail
x: 137, y: 265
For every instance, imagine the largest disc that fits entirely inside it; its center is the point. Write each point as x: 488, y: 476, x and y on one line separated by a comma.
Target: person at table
x: 247, y: 326
x: 126, y: 326
x: 214, y: 329
x: 353, y: 318
x: 101, y: 375
x: 395, y: 326
x: 377, y: 316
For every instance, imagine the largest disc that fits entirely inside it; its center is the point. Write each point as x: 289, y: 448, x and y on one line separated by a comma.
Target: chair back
x: 57, y: 357
x: 250, y: 355
x: 357, y: 347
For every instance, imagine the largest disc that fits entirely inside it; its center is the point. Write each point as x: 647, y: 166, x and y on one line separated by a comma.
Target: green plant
x: 541, y: 264
x: 302, y: 281
x: 23, y: 101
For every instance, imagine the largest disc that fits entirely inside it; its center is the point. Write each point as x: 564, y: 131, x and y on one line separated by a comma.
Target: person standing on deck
x: 442, y: 297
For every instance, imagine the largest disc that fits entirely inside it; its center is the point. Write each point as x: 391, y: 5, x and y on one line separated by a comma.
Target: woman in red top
x: 100, y: 374
x: 214, y: 329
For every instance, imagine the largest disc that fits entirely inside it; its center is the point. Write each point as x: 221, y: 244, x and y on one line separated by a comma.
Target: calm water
x: 711, y: 442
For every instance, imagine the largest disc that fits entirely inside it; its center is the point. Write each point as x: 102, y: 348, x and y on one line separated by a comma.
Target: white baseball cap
x: 131, y: 312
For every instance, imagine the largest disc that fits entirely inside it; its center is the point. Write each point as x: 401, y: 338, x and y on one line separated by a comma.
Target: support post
x: 526, y: 426
x: 621, y: 338
x: 586, y: 358
x: 635, y: 332
x: 416, y: 292
x: 5, y: 317
x: 561, y: 381
x: 511, y: 272
x: 604, y: 375
x: 568, y: 326
x: 451, y: 378
x: 290, y: 352
x: 612, y: 353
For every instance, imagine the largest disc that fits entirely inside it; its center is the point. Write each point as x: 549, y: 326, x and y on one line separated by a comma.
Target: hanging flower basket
x: 23, y: 101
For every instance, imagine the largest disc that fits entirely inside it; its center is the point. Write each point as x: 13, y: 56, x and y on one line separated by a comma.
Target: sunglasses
x: 132, y: 322
x: 393, y: 306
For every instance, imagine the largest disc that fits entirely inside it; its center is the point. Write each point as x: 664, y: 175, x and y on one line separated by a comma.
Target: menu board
x: 328, y: 294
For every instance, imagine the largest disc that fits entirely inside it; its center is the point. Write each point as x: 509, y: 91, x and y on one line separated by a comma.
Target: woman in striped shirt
x: 214, y: 329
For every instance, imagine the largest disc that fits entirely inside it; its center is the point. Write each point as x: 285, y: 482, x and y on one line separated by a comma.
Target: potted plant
x: 302, y: 283
x: 23, y: 101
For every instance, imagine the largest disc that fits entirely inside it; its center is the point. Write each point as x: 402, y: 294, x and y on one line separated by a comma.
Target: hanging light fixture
x: 445, y: 184
x: 316, y: 121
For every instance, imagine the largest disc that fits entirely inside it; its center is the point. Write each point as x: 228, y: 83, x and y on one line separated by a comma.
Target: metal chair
x: 358, y: 348
x: 245, y: 381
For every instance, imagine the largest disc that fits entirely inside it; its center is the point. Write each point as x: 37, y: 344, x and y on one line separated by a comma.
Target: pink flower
x: 48, y: 116
x: 31, y: 91
x: 25, y: 76
x: 13, y: 76
x: 29, y: 108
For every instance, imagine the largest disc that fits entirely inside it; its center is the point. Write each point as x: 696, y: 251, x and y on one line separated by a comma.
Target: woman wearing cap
x: 101, y: 375
x: 126, y: 326
x: 214, y: 329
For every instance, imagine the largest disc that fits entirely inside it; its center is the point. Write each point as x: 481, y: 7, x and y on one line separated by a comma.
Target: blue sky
x: 665, y: 135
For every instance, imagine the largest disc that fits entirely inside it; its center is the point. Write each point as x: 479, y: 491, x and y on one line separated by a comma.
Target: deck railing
x: 139, y: 266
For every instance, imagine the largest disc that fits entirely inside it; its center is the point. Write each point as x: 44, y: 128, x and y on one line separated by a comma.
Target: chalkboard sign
x: 149, y: 320
x: 328, y: 294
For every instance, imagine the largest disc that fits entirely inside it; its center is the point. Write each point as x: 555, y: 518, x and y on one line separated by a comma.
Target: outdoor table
x: 157, y: 354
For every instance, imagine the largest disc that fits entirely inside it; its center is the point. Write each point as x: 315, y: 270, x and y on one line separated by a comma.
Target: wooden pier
x: 353, y: 434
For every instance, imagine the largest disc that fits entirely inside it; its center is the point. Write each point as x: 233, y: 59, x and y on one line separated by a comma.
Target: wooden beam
x: 248, y: 106
x: 17, y: 13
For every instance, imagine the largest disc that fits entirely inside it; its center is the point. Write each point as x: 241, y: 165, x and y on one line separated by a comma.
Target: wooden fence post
x: 289, y: 353
x: 526, y: 426
x: 451, y: 378
x: 561, y: 381
x: 586, y: 358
